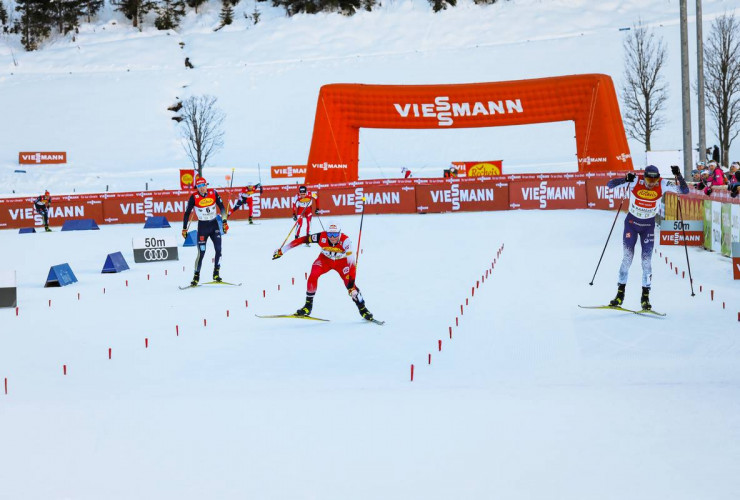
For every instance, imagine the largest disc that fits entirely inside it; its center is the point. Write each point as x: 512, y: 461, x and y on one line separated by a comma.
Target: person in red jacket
x: 336, y: 255
x: 303, y: 204
x: 245, y: 198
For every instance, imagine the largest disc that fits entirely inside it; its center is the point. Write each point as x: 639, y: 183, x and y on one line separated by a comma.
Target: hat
x: 200, y: 181
x: 652, y: 172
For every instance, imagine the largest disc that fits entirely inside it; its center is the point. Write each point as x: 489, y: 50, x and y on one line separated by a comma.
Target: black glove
x: 675, y: 171
x: 708, y: 192
x: 629, y: 177
x: 295, y: 217
x: 700, y: 185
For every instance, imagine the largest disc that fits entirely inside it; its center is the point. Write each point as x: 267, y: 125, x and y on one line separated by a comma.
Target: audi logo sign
x: 155, y: 249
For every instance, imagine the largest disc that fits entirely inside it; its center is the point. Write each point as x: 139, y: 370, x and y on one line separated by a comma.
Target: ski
x: 290, y: 316
x: 376, y: 321
x: 617, y: 308
x: 209, y: 283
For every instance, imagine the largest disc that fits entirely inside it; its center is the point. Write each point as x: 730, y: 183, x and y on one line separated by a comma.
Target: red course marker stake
x: 227, y: 313
x: 126, y: 282
x: 246, y: 303
x: 278, y: 287
x: 264, y: 293
x: 439, y: 343
x: 466, y: 301
x: 147, y: 277
x: 204, y: 322
x: 430, y: 359
x: 461, y: 309
x: 64, y: 369
x: 78, y: 295
x: 450, y: 332
x: 472, y: 291
x: 6, y: 385
x: 177, y: 330
x: 146, y: 343
x: 412, y: 373
x: 110, y: 353
x: 477, y: 284
x: 456, y: 322
x: 292, y: 280
x: 16, y: 311
x: 712, y: 294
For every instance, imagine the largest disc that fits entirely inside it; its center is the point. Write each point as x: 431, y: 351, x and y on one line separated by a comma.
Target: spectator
x: 734, y: 184
x: 714, y: 177
x: 715, y: 153
x: 731, y: 173
x: 406, y: 172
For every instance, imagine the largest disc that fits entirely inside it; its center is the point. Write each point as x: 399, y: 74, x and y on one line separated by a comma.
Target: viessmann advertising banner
x: 382, y: 199
x: 462, y: 196
x: 435, y: 195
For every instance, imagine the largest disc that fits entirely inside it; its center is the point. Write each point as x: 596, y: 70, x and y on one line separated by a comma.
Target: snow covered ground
x: 531, y: 398
x: 102, y: 98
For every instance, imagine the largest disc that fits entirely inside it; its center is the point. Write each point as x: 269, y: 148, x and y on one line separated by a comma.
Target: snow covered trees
x: 169, y: 13
x: 36, y: 17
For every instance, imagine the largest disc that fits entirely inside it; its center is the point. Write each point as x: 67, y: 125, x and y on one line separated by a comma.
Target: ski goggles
x: 333, y: 235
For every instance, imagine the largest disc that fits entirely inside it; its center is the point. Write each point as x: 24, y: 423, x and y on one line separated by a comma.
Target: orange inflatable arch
x: 588, y: 100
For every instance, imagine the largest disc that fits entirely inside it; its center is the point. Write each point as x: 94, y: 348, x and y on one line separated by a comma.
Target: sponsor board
x: 287, y: 171
x: 548, y: 194
x: 445, y: 112
x: 478, y: 168
x: 601, y: 197
x: 377, y: 200
x: 672, y: 232
x: 187, y: 177
x: 154, y: 248
x: 736, y: 261
x: 456, y: 196
x: 39, y: 157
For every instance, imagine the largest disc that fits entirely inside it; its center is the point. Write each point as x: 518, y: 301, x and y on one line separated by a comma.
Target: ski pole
x: 294, y: 225
x: 231, y: 184
x: 686, y: 249
x: 359, y: 236
x: 607, y: 241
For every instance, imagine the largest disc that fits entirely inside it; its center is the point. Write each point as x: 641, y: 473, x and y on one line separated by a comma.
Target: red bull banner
x: 187, y: 177
x: 478, y: 168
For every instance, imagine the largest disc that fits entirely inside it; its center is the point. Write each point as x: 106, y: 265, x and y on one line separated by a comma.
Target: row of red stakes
x: 177, y: 327
x: 462, y: 310
x: 701, y: 288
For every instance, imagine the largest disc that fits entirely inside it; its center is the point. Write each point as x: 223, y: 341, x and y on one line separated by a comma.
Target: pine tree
x: 438, y: 5
x: 169, y: 14
x: 66, y: 14
x: 3, y: 17
x: 195, y: 4
x: 90, y: 8
x: 227, y: 13
x: 35, y: 21
x: 134, y: 9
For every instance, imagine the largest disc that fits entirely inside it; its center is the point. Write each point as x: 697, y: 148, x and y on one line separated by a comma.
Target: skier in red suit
x: 303, y: 207
x: 245, y: 198
x: 336, y: 254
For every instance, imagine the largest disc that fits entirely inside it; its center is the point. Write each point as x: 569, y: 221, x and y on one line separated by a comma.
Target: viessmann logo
x: 444, y: 110
x: 329, y: 166
x: 588, y: 160
x: 42, y: 157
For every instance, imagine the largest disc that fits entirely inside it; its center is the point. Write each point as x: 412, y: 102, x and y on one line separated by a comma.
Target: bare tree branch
x: 200, y: 129
x: 644, y: 92
x: 722, y: 81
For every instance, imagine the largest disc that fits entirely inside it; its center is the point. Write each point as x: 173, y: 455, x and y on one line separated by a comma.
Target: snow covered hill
x: 102, y: 97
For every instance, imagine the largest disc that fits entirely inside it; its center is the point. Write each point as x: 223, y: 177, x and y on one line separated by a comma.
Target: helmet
x: 46, y: 193
x: 652, y: 172
x: 333, y: 230
x: 302, y: 189
x: 200, y: 181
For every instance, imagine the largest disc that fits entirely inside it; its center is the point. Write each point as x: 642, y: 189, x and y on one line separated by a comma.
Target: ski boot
x: 306, y: 309
x: 363, y: 311
x: 250, y: 220
x: 617, y: 302
x: 46, y: 228
x: 645, y: 299
x: 216, y: 275
x: 196, y: 279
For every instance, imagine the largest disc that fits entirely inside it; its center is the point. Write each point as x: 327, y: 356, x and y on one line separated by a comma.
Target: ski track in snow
x: 531, y: 395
